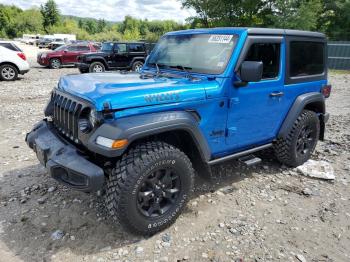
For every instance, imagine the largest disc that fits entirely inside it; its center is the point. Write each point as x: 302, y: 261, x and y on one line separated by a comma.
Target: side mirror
x: 250, y: 71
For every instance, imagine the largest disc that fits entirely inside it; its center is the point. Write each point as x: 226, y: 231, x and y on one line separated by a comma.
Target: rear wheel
x: 297, y: 147
x: 55, y: 63
x: 137, y: 66
x: 8, y: 73
x: 97, y: 67
x: 149, y: 187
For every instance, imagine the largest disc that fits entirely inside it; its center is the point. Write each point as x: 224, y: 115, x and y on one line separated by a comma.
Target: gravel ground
x: 265, y: 213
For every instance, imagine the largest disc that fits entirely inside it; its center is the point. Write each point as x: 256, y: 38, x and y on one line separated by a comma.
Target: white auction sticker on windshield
x: 220, y: 39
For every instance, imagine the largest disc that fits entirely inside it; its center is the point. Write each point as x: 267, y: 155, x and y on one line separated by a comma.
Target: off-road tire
x: 136, y: 66
x: 8, y: 72
x: 93, y: 67
x: 286, y: 148
x: 55, y: 63
x: 130, y: 173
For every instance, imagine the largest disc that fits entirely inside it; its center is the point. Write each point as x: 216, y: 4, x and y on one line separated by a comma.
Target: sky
x: 114, y: 10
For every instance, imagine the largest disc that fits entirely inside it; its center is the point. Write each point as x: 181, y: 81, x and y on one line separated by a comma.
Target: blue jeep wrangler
x: 203, y: 97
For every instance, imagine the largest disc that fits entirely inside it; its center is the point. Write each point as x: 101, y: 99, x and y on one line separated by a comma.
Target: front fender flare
x: 92, y: 59
x: 141, y: 126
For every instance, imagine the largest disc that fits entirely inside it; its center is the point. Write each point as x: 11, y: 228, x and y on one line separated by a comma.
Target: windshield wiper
x: 158, y: 72
x: 185, y: 69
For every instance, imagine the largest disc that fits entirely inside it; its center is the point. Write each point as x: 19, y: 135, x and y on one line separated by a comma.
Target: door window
x: 269, y: 54
x: 120, y: 47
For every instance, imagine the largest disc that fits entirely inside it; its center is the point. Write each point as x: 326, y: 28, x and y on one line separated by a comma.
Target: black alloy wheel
x: 158, y: 192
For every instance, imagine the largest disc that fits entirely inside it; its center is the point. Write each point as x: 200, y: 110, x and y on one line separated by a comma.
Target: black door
x: 120, y: 55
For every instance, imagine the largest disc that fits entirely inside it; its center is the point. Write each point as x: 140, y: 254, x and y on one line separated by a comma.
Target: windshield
x: 107, y: 47
x: 201, y: 53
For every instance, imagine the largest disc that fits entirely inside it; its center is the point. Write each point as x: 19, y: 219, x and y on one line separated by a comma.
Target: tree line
x: 14, y: 22
x: 329, y: 16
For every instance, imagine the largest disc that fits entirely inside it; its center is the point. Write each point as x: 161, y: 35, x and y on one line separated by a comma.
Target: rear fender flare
x: 302, y: 102
x: 141, y: 58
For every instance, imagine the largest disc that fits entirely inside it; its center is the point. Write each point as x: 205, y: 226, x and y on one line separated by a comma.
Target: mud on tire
x: 297, y: 147
x: 137, y: 176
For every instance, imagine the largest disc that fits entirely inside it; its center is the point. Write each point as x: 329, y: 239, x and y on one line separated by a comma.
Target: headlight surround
x: 93, y: 117
x: 87, y: 120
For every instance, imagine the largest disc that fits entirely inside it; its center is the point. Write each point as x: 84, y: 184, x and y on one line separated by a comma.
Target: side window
x: 120, y: 47
x: 72, y: 48
x: 8, y: 46
x: 136, y: 48
x: 306, y: 58
x: 83, y: 48
x: 269, y: 54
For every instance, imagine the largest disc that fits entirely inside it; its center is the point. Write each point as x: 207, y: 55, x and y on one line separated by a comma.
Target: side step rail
x: 239, y: 154
x: 250, y: 160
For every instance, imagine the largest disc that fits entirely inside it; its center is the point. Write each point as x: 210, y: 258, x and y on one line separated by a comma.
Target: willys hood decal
x: 129, y: 90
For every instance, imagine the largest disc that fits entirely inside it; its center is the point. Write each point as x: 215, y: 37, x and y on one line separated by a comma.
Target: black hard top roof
x: 124, y: 42
x: 274, y: 31
x: 271, y: 31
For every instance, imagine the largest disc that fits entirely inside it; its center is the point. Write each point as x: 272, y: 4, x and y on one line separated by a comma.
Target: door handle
x: 276, y: 94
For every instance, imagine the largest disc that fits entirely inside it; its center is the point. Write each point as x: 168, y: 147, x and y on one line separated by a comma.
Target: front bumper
x: 63, y: 161
x: 82, y: 66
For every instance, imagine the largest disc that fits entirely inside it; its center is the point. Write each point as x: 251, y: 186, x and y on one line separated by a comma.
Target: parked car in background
x: 115, y: 56
x: 65, y: 55
x: 12, y: 61
x: 44, y: 43
x: 55, y: 43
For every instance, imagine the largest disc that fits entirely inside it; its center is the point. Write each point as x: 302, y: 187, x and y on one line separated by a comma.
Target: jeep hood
x: 129, y: 90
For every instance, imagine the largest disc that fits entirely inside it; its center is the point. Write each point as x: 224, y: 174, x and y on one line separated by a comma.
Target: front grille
x: 66, y: 112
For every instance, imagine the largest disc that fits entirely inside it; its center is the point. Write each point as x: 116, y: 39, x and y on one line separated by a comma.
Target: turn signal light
x: 110, y: 143
x: 119, y: 143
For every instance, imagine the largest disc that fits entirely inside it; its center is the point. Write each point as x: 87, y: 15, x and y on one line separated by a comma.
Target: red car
x: 65, y: 55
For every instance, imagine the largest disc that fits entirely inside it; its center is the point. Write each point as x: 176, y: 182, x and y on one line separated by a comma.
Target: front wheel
x: 297, y: 147
x: 97, y: 67
x: 149, y: 187
x: 8, y: 73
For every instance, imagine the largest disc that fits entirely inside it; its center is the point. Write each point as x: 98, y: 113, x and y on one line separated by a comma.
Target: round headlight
x: 43, y: 55
x: 85, y: 125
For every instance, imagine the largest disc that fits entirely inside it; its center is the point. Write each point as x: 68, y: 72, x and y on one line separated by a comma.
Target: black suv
x: 115, y: 56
